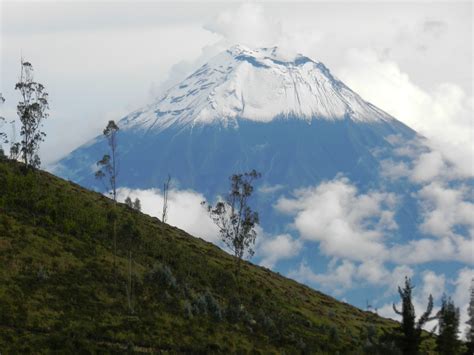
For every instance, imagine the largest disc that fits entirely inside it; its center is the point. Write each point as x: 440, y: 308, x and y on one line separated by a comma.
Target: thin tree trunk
x: 129, y: 293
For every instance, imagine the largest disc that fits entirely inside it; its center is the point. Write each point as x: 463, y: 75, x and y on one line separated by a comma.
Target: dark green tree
x: 128, y: 202
x: 470, y: 322
x: 410, y: 332
x: 137, y: 205
x: 234, y: 217
x: 32, y: 110
x: 447, y: 342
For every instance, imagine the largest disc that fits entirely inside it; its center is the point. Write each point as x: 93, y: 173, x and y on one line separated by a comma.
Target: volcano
x: 288, y: 118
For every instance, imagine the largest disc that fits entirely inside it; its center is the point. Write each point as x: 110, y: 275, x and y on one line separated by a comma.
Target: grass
x: 60, y: 292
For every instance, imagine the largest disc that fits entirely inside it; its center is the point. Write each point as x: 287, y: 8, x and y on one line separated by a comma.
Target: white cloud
x: 273, y: 249
x: 184, y: 210
x: 347, y: 224
x: 433, y: 284
x: 338, y: 278
x: 461, y: 297
x: 270, y: 189
x: 246, y: 25
x: 443, y: 114
x: 445, y: 209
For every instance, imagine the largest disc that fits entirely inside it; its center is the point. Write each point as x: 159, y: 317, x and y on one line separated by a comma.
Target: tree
x: 3, y: 135
x: 137, y: 205
x: 130, y: 234
x: 108, y: 164
x: 128, y: 202
x: 470, y: 321
x: 32, y: 110
x: 447, y: 342
x: 166, y: 188
x: 234, y: 217
x: 108, y: 170
x: 411, y: 331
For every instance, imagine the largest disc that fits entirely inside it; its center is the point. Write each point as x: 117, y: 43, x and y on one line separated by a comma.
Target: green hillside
x: 59, y: 291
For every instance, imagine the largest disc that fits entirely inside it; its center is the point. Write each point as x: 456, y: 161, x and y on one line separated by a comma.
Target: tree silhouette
x: 411, y: 331
x: 447, y: 342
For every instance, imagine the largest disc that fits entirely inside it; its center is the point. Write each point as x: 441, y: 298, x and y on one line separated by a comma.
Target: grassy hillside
x: 59, y: 291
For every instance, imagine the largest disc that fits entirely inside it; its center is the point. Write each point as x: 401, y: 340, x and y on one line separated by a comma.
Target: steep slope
x: 59, y: 291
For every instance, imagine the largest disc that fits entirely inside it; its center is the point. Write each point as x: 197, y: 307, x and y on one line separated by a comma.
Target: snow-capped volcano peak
x: 257, y: 85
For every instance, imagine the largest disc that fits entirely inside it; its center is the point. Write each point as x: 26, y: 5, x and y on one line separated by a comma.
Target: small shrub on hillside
x: 206, y: 304
x: 162, y: 276
x: 213, y: 306
x: 187, y: 310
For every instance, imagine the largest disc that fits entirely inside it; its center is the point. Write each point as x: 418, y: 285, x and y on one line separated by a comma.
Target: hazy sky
x: 101, y: 60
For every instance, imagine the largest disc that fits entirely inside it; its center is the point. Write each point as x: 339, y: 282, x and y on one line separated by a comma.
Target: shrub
x: 162, y: 276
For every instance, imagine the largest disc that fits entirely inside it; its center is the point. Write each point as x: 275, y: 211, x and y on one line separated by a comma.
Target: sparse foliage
x: 234, y: 217
x: 108, y: 168
x: 3, y: 135
x: 108, y: 171
x: 411, y: 330
x: 32, y: 110
x: 166, y: 187
x: 447, y: 341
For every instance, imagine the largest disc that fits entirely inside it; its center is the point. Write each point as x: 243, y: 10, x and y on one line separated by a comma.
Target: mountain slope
x: 59, y: 291
x: 257, y: 85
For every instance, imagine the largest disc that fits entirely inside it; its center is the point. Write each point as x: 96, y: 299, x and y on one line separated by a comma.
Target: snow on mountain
x: 257, y: 85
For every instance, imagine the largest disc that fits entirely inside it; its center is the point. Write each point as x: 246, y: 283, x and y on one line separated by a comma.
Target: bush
x: 206, y: 304
x: 213, y: 306
x: 162, y: 276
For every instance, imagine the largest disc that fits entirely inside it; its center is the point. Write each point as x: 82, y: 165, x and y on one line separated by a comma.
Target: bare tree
x: 32, y: 110
x: 166, y: 187
x: 234, y: 217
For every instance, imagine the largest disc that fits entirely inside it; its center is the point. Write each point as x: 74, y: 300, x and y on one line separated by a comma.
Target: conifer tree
x: 470, y: 322
x: 411, y: 330
x: 447, y: 342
